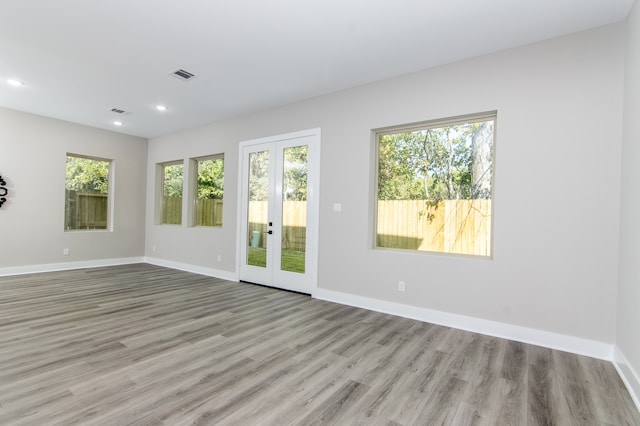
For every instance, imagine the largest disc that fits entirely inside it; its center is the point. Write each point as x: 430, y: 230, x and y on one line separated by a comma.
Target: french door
x: 278, y: 230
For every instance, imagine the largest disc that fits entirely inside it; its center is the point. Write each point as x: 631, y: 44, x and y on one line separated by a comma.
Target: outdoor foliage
x: 211, y: 178
x: 259, y: 176
x: 444, y: 163
x: 294, y: 187
x: 87, y: 175
x: 210, y: 191
x: 172, y: 180
x: 434, y: 188
x: 295, y: 174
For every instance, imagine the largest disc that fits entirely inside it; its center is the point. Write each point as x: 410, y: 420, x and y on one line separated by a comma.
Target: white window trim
x: 424, y: 125
x: 192, y: 190
x: 159, y: 185
x: 110, y: 192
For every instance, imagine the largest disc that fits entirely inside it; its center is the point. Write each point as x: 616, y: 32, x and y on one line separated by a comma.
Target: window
x: 209, y: 184
x: 86, y: 201
x: 434, y: 185
x: 171, y: 179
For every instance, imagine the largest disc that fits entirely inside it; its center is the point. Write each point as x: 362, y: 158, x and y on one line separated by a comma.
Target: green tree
x: 259, y: 176
x: 398, y: 177
x: 172, y: 184
x: 87, y: 175
x: 434, y: 164
x: 294, y: 187
x: 211, y: 178
x: 444, y: 162
x: 294, y: 177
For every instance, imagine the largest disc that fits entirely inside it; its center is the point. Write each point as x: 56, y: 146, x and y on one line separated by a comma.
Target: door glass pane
x: 258, y: 211
x: 294, y: 209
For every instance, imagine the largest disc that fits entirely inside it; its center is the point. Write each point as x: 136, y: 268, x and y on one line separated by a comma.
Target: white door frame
x: 310, y: 284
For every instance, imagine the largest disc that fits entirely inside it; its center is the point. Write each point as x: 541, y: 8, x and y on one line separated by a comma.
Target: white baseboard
x: 547, y: 339
x: 50, y: 267
x: 210, y: 272
x: 629, y: 376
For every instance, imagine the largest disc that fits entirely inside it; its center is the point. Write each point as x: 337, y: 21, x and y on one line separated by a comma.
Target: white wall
x: 32, y: 159
x: 199, y: 246
x: 628, y: 326
x: 557, y: 198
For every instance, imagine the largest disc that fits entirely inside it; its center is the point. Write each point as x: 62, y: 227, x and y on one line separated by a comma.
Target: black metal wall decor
x: 3, y: 191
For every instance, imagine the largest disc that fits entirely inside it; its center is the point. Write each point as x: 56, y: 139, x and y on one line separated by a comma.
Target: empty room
x: 320, y: 212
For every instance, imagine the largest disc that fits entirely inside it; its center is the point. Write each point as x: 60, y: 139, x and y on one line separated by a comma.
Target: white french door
x: 278, y: 201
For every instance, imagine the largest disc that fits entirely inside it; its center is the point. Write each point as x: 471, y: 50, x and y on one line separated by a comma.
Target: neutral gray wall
x: 32, y: 159
x: 557, y: 183
x: 628, y: 330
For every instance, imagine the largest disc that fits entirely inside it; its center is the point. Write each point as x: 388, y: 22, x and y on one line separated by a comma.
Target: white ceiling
x: 80, y: 58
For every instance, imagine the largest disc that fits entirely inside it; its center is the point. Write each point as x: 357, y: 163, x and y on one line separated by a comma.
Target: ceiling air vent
x: 183, y: 74
x: 118, y: 110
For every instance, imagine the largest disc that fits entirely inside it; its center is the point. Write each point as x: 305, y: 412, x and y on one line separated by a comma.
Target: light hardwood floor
x: 146, y: 345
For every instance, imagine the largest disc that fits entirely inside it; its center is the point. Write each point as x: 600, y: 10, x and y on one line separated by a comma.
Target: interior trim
x: 210, y: 272
x: 576, y: 345
x: 628, y: 375
x: 50, y: 267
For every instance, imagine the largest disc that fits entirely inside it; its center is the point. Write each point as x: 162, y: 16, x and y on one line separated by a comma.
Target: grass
x: 292, y: 261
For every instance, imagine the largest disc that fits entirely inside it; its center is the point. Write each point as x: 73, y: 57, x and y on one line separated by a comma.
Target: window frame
x: 426, y: 125
x: 193, y: 189
x: 110, y: 191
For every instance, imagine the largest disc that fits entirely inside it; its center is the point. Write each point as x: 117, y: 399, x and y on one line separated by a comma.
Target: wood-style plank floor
x: 146, y: 345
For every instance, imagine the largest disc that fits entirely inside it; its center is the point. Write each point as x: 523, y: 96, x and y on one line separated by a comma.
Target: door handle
x: 269, y: 232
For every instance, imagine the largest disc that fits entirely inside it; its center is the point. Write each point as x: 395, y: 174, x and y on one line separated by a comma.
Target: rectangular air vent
x: 118, y: 110
x: 183, y: 74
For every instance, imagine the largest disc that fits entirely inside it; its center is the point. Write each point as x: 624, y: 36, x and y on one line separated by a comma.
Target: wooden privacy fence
x: 89, y: 211
x: 450, y: 226
x: 172, y: 210
x: 85, y: 210
x: 294, y: 221
x: 208, y: 211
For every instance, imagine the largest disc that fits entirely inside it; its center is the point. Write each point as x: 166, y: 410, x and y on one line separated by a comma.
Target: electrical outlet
x: 219, y: 258
x: 153, y: 248
x: 65, y: 252
x: 400, y: 285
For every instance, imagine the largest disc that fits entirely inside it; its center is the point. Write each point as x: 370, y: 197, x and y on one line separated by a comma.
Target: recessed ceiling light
x: 16, y: 83
x: 117, y: 123
x: 161, y: 107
